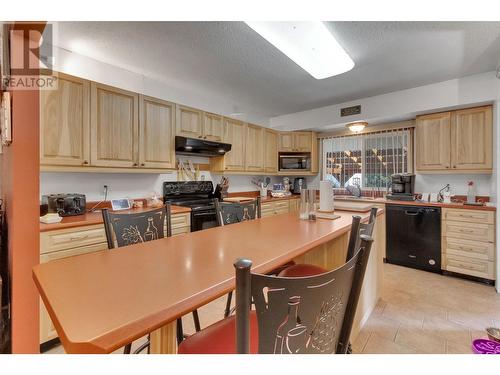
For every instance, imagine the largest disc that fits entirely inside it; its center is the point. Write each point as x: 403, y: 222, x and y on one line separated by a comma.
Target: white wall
x: 399, y: 105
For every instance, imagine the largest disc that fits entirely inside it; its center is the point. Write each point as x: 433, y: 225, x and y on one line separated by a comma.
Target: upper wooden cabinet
x: 213, y: 128
x: 189, y: 122
x: 295, y: 142
x: 472, y: 139
x: 65, y: 123
x: 270, y: 151
x: 235, y: 134
x: 456, y: 141
x: 156, y: 133
x: 254, y: 155
x: 114, y: 126
x: 432, y: 139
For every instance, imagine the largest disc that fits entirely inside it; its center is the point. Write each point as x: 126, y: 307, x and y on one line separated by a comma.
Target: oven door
x: 203, y: 219
x: 295, y: 162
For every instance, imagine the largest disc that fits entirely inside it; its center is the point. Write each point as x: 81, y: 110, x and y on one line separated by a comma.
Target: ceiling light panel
x: 309, y: 44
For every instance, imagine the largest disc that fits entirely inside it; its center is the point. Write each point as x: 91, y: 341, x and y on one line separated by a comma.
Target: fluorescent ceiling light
x: 309, y: 44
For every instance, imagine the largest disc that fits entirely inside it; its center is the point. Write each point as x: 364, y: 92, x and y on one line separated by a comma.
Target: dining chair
x: 357, y: 229
x: 132, y: 228
x: 235, y: 212
x: 308, y: 315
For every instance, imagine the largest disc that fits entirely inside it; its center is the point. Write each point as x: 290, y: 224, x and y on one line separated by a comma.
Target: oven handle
x: 412, y: 213
x: 204, y: 213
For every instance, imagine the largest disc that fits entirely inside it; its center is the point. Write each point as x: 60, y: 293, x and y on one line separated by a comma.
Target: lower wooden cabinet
x: 64, y: 243
x: 468, y: 242
x: 279, y: 207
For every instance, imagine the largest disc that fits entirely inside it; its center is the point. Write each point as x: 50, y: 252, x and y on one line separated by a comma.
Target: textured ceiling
x: 228, y: 59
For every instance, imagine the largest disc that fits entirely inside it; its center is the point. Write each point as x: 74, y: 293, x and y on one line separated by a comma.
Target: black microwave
x: 294, y: 161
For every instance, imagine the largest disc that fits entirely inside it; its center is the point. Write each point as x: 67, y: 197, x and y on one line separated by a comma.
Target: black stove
x: 198, y: 196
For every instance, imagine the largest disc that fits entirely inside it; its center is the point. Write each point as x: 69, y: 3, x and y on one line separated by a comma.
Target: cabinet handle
x: 142, y: 164
x: 447, y: 166
x: 466, y: 230
x: 78, y: 238
x: 85, y: 162
x: 134, y: 165
x: 454, y: 166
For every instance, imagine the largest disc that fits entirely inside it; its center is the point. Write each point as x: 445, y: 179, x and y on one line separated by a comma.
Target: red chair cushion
x: 277, y: 270
x: 220, y: 338
x: 302, y: 270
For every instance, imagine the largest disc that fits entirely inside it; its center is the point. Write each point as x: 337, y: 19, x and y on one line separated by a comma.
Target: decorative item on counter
x: 425, y: 197
x: 444, y: 192
x: 138, y: 204
x: 304, y: 206
x: 154, y: 201
x: 312, y: 204
x: 279, y: 191
x: 51, y: 218
x: 471, y: 192
x: 433, y: 197
x: 286, y: 183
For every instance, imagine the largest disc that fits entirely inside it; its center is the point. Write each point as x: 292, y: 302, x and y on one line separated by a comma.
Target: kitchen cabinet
x: 189, y: 122
x: 65, y: 123
x: 254, y: 150
x: 234, y: 160
x: 472, y: 139
x: 270, y: 151
x: 213, y: 129
x: 468, y: 242
x: 279, y: 207
x: 156, y: 133
x: 455, y: 142
x: 114, y: 127
x: 432, y: 139
x: 295, y: 141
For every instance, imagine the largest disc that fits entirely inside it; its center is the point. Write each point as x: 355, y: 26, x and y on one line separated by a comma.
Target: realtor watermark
x: 28, y: 56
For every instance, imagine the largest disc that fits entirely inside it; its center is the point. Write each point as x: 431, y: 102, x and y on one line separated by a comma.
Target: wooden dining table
x: 101, y: 301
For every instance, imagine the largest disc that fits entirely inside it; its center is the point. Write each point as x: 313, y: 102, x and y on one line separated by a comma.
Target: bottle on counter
x: 471, y: 192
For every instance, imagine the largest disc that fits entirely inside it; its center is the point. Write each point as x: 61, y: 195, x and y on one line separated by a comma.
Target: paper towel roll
x: 325, y: 196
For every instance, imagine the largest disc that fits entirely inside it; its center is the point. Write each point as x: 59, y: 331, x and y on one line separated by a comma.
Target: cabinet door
x: 433, y: 141
x: 114, y: 127
x: 65, y: 123
x: 302, y: 141
x: 286, y: 142
x: 189, y: 122
x: 235, y: 134
x: 271, y: 150
x: 254, y: 155
x: 213, y: 129
x: 472, y: 139
x: 156, y: 133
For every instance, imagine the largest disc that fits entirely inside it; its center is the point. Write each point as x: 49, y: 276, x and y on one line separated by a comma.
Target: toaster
x: 65, y: 204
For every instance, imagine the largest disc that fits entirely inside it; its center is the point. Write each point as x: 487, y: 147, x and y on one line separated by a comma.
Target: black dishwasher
x: 414, y: 236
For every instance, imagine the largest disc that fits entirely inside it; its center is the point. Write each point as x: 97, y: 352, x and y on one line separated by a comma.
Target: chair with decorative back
x: 307, y: 315
x: 133, y: 228
x: 231, y: 213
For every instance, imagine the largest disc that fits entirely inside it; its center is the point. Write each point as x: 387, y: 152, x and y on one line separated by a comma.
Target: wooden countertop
x: 101, y: 301
x: 418, y: 203
x: 91, y: 218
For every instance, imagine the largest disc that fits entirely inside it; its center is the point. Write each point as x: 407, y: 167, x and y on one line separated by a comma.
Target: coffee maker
x: 402, y: 187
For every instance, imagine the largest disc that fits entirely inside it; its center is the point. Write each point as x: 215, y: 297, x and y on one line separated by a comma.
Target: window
x: 367, y: 160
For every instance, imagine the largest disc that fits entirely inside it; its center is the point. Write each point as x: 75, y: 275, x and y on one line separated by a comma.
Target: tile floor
x: 419, y: 312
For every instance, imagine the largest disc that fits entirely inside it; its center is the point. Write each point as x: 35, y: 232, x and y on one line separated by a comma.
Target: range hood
x: 201, y: 147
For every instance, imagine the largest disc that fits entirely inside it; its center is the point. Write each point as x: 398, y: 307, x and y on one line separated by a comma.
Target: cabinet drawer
x: 71, y: 238
x: 469, y: 266
x: 180, y: 230
x: 467, y: 248
x: 469, y: 231
x: 181, y: 220
x: 44, y: 258
x: 469, y: 216
x: 267, y: 209
x: 281, y: 205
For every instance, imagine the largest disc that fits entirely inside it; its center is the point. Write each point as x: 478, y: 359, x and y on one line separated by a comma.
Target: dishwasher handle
x: 412, y: 213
